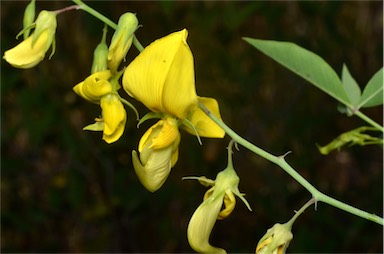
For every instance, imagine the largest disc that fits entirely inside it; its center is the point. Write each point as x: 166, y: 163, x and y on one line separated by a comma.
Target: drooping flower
x: 159, y: 150
x: 31, y: 51
x: 222, y: 192
x: 114, y: 117
x: 162, y: 78
x: 122, y: 40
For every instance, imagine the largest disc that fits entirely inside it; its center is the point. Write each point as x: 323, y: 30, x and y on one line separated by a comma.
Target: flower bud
x: 122, y: 40
x: 276, y: 240
x: 32, y: 51
x: 29, y: 17
x: 100, y: 55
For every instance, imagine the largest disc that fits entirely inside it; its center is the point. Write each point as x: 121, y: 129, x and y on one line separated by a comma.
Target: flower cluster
x: 102, y: 85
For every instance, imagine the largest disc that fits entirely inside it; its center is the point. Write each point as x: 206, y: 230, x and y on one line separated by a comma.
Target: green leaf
x: 351, y: 87
x: 373, y: 92
x: 304, y: 63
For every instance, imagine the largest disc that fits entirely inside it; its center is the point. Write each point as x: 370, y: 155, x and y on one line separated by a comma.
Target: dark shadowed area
x: 65, y: 190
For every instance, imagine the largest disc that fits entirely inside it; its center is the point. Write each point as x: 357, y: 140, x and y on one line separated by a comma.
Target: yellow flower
x: 276, y: 240
x: 162, y: 78
x: 95, y: 86
x: 159, y: 150
x: 31, y: 51
x: 224, y: 189
x: 122, y: 40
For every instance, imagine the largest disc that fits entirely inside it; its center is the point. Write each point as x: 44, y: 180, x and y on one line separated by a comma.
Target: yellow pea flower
x: 162, y: 78
x: 159, y: 150
x: 31, y: 51
x: 223, y: 191
x: 122, y: 40
x: 95, y: 86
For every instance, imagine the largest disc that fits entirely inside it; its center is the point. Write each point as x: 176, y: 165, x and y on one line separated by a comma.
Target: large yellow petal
x: 179, y: 94
x: 162, y: 76
x: 204, y: 125
x: 24, y: 55
x: 114, y: 117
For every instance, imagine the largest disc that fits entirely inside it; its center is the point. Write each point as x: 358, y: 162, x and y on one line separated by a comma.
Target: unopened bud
x: 29, y: 17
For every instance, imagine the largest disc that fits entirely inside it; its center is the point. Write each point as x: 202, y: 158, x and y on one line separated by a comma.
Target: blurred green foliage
x: 65, y: 190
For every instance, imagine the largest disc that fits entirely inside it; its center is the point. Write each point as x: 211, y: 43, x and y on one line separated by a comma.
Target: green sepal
x: 150, y: 115
x: 97, y: 126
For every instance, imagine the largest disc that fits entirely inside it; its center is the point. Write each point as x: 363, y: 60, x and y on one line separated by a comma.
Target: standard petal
x: 204, y: 125
x: 156, y: 170
x: 179, y: 93
x: 202, y: 223
x: 114, y: 117
x: 154, y: 77
x: 24, y: 55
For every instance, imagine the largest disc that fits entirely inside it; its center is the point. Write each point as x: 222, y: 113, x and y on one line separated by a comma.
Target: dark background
x: 65, y: 190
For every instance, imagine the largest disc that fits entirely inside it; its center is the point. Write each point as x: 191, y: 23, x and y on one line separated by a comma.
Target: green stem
x: 369, y: 120
x: 298, y: 213
x: 95, y: 13
x: 106, y: 20
x: 280, y: 161
x: 137, y: 44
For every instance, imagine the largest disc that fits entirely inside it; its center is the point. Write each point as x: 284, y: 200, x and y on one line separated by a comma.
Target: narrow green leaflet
x: 351, y: 87
x: 373, y: 92
x: 304, y: 63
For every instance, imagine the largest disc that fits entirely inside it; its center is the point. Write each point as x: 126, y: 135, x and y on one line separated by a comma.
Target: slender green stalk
x: 106, y: 20
x: 302, y: 209
x: 95, y: 13
x: 369, y: 120
x: 280, y: 161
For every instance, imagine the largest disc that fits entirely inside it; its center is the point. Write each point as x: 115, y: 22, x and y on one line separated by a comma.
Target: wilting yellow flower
x: 122, y: 40
x: 32, y: 50
x: 276, y: 240
x: 95, y: 86
x: 224, y: 189
x: 159, y: 150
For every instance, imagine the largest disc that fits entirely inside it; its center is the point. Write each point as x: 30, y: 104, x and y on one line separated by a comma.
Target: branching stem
x: 280, y: 161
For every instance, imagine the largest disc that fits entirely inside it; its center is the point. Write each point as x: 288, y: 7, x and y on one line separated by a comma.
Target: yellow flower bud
x: 32, y: 51
x: 159, y: 150
x: 95, y: 86
x: 276, y: 240
x: 122, y: 40
x: 29, y: 17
